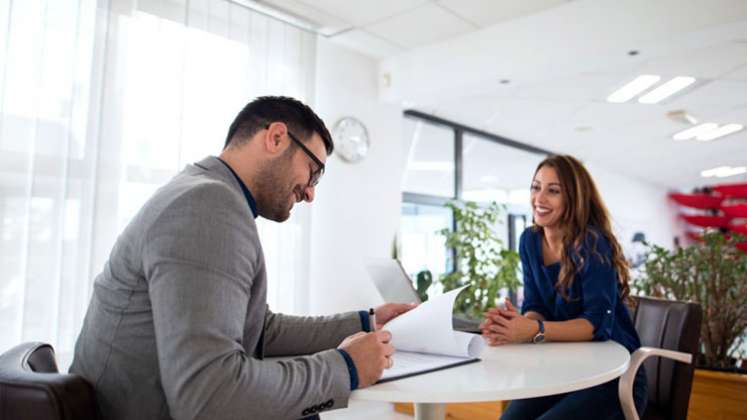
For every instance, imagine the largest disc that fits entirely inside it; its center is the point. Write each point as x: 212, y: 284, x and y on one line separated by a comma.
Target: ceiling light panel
x: 723, y: 172
x: 693, y: 132
x: 722, y: 131
x: 630, y: 90
x: 666, y: 90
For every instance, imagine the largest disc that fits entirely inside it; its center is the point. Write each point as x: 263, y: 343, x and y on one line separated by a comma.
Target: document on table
x: 425, y: 341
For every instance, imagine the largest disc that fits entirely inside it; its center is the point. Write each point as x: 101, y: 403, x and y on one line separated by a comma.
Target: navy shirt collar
x: 247, y: 193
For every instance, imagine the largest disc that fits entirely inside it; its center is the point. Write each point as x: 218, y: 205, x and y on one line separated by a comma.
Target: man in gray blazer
x: 178, y: 324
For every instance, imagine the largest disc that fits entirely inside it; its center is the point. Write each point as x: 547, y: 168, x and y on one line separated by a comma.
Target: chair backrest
x: 31, y: 387
x: 670, y: 325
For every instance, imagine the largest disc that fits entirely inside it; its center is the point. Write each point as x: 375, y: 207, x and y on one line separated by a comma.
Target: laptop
x: 394, y: 285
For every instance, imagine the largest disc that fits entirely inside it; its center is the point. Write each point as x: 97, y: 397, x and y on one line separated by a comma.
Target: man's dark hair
x: 300, y: 119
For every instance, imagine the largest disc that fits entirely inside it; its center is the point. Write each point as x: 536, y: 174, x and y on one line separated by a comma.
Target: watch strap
x: 540, y: 336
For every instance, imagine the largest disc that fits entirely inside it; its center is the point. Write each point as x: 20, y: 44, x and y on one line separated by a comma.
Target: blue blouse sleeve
x: 532, y: 298
x: 599, y: 287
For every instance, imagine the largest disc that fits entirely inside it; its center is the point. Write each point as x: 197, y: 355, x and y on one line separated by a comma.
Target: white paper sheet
x: 428, y: 329
x: 424, y: 339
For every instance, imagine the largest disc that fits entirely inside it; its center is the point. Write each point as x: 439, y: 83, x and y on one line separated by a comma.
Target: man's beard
x: 273, y: 189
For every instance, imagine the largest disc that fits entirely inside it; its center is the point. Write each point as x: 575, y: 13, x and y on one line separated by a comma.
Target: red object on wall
x: 731, y: 190
x: 707, y: 221
x: 739, y: 229
x: 735, y: 210
x: 698, y: 201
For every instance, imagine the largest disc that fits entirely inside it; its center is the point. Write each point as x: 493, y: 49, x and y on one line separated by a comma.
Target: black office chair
x: 670, y: 330
x: 32, y: 388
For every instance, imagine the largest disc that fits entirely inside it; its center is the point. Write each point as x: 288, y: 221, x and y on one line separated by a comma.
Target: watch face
x: 351, y: 139
x: 538, y: 338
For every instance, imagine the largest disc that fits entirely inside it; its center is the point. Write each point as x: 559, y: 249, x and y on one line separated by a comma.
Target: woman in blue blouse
x: 575, y: 289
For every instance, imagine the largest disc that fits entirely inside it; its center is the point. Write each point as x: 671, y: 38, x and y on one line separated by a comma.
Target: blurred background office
x: 101, y: 102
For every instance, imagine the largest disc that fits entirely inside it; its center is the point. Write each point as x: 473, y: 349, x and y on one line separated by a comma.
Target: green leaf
x: 484, y: 263
x: 712, y: 273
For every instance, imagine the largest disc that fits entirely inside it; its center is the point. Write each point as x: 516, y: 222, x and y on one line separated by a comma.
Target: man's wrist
x: 352, y: 370
x: 365, y: 321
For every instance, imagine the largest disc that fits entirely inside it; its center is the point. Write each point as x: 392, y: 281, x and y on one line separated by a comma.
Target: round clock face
x: 351, y: 139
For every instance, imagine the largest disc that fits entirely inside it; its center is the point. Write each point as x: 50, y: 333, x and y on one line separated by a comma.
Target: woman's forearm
x: 578, y: 329
x: 534, y: 315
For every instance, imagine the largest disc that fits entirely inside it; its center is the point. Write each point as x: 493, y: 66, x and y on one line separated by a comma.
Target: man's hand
x: 389, y: 311
x: 504, y: 326
x: 370, y: 353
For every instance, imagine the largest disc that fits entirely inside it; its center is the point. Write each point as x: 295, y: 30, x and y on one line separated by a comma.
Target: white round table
x: 506, y: 373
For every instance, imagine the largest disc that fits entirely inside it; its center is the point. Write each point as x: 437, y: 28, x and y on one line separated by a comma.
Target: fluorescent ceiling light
x: 719, y: 132
x: 723, y: 171
x: 693, y: 132
x: 667, y: 89
x: 638, y: 85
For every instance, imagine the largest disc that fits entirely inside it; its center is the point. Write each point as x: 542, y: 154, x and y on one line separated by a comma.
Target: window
x: 430, y: 159
x: 449, y: 161
x: 423, y: 248
x: 101, y: 103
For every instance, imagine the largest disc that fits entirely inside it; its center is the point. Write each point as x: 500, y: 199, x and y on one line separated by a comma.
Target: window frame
x: 459, y: 130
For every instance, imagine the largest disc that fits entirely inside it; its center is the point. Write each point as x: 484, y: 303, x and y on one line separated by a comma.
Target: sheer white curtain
x: 100, y: 104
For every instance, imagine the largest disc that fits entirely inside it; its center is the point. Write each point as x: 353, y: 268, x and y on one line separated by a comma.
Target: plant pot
x: 718, y: 395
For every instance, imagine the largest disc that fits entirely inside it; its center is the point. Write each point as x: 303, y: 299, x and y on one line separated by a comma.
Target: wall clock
x: 351, y: 139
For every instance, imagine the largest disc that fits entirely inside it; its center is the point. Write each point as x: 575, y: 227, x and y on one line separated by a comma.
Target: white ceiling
x: 386, y: 27
x: 561, y: 60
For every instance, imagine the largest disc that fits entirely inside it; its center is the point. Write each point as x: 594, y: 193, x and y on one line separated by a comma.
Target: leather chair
x: 32, y: 388
x: 670, y: 330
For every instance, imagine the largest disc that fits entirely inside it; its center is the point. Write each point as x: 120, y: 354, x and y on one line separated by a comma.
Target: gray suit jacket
x: 178, y: 322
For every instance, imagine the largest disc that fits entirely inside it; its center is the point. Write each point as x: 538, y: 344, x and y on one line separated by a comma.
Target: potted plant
x: 482, y: 262
x: 712, y: 273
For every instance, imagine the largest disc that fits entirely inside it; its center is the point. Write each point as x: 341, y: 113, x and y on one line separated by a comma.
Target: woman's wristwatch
x: 540, y: 336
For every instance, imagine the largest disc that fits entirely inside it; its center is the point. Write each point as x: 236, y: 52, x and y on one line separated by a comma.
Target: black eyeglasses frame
x: 315, y: 175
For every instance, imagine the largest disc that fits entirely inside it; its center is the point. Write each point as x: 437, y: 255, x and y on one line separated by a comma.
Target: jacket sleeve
x: 200, y: 257
x: 291, y: 335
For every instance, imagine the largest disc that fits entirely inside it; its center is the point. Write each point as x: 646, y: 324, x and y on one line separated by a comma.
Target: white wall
x: 636, y: 206
x: 356, y: 211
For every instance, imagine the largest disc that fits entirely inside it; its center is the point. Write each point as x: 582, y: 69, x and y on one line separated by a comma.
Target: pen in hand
x: 372, y: 319
x: 372, y: 322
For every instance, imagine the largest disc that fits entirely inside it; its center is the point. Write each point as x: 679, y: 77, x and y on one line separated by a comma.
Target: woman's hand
x: 504, y: 326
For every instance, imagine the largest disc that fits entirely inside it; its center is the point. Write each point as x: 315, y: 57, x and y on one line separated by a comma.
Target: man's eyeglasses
x: 315, y: 175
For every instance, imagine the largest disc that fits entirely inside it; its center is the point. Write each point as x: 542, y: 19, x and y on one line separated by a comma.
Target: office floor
x: 366, y: 410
